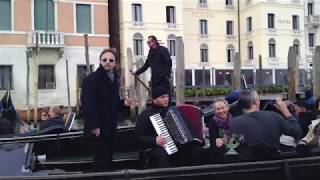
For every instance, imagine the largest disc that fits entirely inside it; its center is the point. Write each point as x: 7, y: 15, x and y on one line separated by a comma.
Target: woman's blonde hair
x: 219, y: 100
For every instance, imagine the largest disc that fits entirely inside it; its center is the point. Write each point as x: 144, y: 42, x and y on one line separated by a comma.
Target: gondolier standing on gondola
x: 101, y: 105
x: 160, y: 62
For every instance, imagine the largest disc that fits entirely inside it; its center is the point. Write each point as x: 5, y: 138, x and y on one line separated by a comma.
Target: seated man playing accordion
x: 165, y: 153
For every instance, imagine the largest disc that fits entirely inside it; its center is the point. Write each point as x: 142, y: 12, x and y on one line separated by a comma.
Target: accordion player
x: 182, y: 124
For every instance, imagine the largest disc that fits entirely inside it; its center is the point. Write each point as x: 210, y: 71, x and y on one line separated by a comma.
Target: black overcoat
x: 101, y: 103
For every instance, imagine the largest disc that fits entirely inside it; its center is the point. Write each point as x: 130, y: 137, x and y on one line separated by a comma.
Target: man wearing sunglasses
x: 160, y: 63
x: 101, y: 105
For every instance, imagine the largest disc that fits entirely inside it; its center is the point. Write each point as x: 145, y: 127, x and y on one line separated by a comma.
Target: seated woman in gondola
x: 218, y: 125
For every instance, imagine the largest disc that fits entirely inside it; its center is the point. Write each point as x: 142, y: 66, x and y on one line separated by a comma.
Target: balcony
x: 139, y: 59
x: 46, y: 39
x: 273, y: 60
x: 203, y: 5
x: 230, y: 37
x: 271, y: 30
x: 203, y: 36
x: 313, y: 20
x: 137, y: 23
x: 230, y: 6
x: 172, y: 25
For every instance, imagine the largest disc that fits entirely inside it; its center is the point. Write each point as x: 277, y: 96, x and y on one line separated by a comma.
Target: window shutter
x: 44, y: 15
x: 5, y: 14
x: 83, y: 18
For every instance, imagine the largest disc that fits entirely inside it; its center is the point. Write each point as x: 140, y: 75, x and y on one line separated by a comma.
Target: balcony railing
x: 203, y: 5
x: 46, y: 39
x: 313, y: 19
x: 203, y: 36
x: 172, y: 25
x: 230, y: 36
x: 137, y: 23
x: 230, y: 6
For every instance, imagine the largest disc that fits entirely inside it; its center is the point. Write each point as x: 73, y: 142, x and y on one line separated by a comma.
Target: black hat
x: 159, y: 91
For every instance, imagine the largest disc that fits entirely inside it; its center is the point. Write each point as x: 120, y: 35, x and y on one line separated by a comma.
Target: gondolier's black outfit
x: 101, y: 105
x: 160, y: 62
x: 188, y: 154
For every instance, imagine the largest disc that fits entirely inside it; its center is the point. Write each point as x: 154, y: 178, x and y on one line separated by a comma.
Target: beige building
x: 58, y: 27
x: 140, y: 19
x: 214, y: 30
x: 267, y: 28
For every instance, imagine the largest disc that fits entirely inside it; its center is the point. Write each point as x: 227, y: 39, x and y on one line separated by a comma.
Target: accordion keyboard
x: 161, y: 129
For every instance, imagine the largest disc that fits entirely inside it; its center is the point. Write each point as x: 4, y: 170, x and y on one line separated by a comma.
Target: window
x: 249, y: 24
x: 203, y: 3
x: 310, y: 9
x: 230, y: 53
x: 204, y: 53
x: 202, y: 77
x: 224, y: 77
x: 311, y: 39
x: 138, y: 44
x: 5, y: 77
x: 229, y: 28
x: 137, y: 13
x: 296, y: 46
x: 172, y: 44
x: 46, y: 78
x: 281, y: 76
x: 295, y: 22
x: 44, y: 15
x: 188, y: 77
x: 272, y: 48
x: 203, y: 27
x: 5, y: 15
x: 229, y: 2
x: 250, y: 51
x: 271, y: 21
x: 266, y: 76
x: 171, y: 14
x: 83, y: 18
x: 82, y: 73
x: 248, y: 75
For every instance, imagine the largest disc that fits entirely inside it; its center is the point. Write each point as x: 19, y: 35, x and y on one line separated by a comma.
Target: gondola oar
x: 137, y: 78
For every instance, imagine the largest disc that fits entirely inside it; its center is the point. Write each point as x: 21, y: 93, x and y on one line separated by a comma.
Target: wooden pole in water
x: 316, y: 73
x: 260, y: 75
x: 292, y: 73
x: 237, y: 71
x: 132, y: 90
x: 86, y: 49
x: 68, y: 86
x: 180, y: 74
x: 28, y: 55
x: 35, y: 84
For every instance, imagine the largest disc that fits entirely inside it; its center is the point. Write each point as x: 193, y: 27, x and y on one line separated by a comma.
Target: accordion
x: 182, y: 124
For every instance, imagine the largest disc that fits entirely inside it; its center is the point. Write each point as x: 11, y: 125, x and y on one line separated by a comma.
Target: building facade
x: 37, y: 37
x: 140, y: 19
x: 214, y: 30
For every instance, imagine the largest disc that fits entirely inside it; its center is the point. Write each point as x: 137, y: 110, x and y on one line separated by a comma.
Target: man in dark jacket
x: 148, y: 137
x: 101, y: 105
x: 262, y: 129
x: 160, y: 62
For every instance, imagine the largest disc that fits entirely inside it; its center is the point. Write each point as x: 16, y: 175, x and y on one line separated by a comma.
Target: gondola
x: 68, y: 155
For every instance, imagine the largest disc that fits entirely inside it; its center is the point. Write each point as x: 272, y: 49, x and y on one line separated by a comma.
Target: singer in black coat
x: 101, y: 105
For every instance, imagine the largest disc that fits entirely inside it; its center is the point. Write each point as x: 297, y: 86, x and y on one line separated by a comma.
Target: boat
x: 57, y: 154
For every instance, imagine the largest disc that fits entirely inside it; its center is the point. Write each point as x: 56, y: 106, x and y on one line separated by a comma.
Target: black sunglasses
x: 107, y: 60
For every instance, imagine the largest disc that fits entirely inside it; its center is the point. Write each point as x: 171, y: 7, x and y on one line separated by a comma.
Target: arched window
x: 172, y: 44
x: 230, y: 53
x: 204, y: 53
x: 272, y: 48
x: 296, y: 46
x: 138, y: 44
x: 250, y: 50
